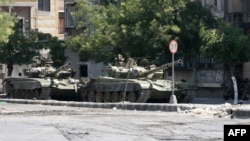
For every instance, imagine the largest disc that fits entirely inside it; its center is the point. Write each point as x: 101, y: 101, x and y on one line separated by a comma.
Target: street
x: 27, y: 122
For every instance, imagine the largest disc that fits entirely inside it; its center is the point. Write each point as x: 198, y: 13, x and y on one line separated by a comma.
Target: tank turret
x: 42, y: 67
x: 43, y: 81
x: 148, y: 73
x: 133, y: 71
x: 64, y: 71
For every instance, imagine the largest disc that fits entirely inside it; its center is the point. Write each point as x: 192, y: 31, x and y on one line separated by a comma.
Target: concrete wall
x: 44, y: 21
x: 73, y: 58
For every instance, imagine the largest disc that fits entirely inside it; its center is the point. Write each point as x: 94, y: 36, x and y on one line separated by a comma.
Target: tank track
x: 37, y: 93
x: 107, y: 97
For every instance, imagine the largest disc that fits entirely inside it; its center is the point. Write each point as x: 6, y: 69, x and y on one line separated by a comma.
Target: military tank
x: 42, y: 81
x: 133, y: 83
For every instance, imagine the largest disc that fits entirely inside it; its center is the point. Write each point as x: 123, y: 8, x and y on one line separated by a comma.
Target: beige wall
x: 44, y: 21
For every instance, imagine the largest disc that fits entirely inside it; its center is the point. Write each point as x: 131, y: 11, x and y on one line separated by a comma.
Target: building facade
x: 43, y: 15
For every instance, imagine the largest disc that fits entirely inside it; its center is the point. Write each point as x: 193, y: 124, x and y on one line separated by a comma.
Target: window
x: 70, y: 18
x: 44, y: 5
x: 115, y: 2
x: 208, y: 63
x: 84, y: 70
x: 21, y: 24
x: 235, y: 18
x: 215, y: 3
x: 61, y: 23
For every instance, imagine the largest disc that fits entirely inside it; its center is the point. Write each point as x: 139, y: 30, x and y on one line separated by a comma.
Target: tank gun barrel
x: 162, y: 67
x: 61, y: 68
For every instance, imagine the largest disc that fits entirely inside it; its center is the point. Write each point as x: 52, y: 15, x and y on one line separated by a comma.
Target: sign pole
x: 173, y: 46
x: 172, y: 74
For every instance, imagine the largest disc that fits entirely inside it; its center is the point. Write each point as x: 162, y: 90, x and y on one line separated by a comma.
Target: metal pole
x: 173, y: 74
x: 173, y: 99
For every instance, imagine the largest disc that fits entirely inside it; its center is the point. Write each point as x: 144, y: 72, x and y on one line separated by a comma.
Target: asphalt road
x: 27, y: 122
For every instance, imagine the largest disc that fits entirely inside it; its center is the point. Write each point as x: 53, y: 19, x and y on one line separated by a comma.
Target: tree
x: 22, y: 47
x: 56, y: 46
x: 135, y: 28
x: 227, y: 44
x: 191, y: 19
x: 19, y: 49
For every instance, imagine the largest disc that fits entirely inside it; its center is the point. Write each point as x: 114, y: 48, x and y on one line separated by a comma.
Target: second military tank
x: 133, y: 83
x: 43, y: 81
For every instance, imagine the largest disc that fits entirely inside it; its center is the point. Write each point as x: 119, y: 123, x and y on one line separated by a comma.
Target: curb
x: 240, y: 113
x: 166, y: 107
x: 128, y: 106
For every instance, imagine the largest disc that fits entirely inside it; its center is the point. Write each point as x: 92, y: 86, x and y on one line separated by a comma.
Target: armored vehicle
x: 42, y: 81
x: 134, y: 83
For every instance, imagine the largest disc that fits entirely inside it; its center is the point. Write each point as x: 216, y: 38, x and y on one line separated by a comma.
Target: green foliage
x: 19, y: 48
x: 22, y: 47
x: 6, y: 25
x: 135, y: 28
x: 57, y: 47
x: 142, y: 28
x: 226, y: 44
x: 192, y: 18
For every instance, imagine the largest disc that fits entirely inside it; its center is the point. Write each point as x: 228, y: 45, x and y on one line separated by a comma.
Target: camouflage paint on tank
x: 134, y: 83
x: 43, y: 81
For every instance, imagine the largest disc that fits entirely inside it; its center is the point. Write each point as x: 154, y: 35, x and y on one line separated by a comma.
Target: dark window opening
x: 83, y: 70
x: 70, y: 17
x: 215, y: 2
x: 21, y: 25
x: 44, y: 5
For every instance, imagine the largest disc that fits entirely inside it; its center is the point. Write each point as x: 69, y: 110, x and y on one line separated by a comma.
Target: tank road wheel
x: 16, y: 93
x: 7, y: 89
x: 107, y: 97
x: 115, y: 97
x: 99, y: 97
x: 91, y: 96
x: 122, y: 97
x: 12, y: 93
x: 22, y: 94
x: 83, y: 95
x: 35, y: 94
x: 131, y: 97
x: 29, y: 94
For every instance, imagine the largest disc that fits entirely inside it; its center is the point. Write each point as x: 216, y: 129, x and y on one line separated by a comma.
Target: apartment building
x: 210, y: 78
x: 43, y: 15
x: 238, y: 14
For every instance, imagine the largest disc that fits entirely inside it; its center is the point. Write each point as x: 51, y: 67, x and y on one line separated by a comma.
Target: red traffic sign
x: 173, y: 46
